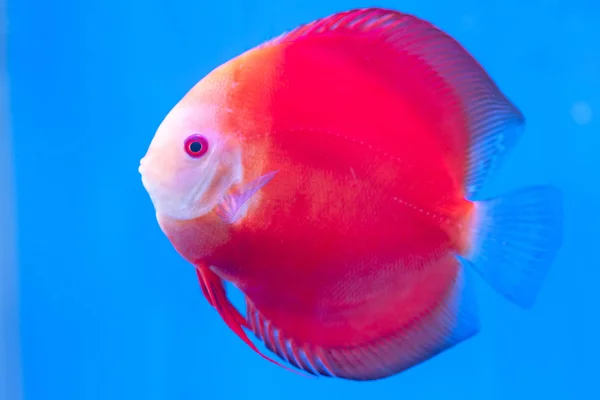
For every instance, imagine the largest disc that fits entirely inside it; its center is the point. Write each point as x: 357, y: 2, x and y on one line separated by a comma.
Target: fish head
x: 190, y: 163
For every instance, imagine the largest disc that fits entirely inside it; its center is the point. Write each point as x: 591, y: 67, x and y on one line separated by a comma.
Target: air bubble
x: 581, y: 113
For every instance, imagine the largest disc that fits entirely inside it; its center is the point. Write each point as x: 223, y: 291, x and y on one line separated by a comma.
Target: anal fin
x: 454, y: 320
x: 214, y: 291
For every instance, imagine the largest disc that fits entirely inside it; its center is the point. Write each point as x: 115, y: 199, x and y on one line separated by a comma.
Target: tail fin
x: 514, y: 239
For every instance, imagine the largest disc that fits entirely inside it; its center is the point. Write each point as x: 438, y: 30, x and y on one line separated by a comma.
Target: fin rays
x: 453, y: 321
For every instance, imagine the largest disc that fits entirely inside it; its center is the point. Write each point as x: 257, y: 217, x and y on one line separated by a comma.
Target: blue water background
x: 109, y: 311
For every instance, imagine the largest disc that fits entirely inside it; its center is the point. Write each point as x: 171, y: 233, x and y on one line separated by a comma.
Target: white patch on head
x: 183, y: 187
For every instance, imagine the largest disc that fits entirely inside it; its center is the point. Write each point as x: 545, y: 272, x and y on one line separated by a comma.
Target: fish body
x: 337, y: 189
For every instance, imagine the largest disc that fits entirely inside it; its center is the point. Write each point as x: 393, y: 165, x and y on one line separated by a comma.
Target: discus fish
x: 334, y: 175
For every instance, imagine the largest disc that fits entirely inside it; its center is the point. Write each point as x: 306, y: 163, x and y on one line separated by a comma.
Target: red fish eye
x: 196, y: 146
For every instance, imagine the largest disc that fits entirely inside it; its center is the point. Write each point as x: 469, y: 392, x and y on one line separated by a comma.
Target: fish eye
x: 196, y: 146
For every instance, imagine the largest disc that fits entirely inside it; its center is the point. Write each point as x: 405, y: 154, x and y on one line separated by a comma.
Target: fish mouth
x: 141, y: 170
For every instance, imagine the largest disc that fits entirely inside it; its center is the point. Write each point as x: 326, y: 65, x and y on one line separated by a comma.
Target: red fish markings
x: 332, y: 174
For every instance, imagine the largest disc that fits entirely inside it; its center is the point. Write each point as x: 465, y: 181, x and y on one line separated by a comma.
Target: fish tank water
x: 95, y: 304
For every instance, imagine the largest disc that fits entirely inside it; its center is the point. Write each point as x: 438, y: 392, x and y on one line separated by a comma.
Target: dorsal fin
x: 493, y: 122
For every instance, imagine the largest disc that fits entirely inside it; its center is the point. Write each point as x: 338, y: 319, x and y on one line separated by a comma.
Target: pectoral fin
x: 233, y: 205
